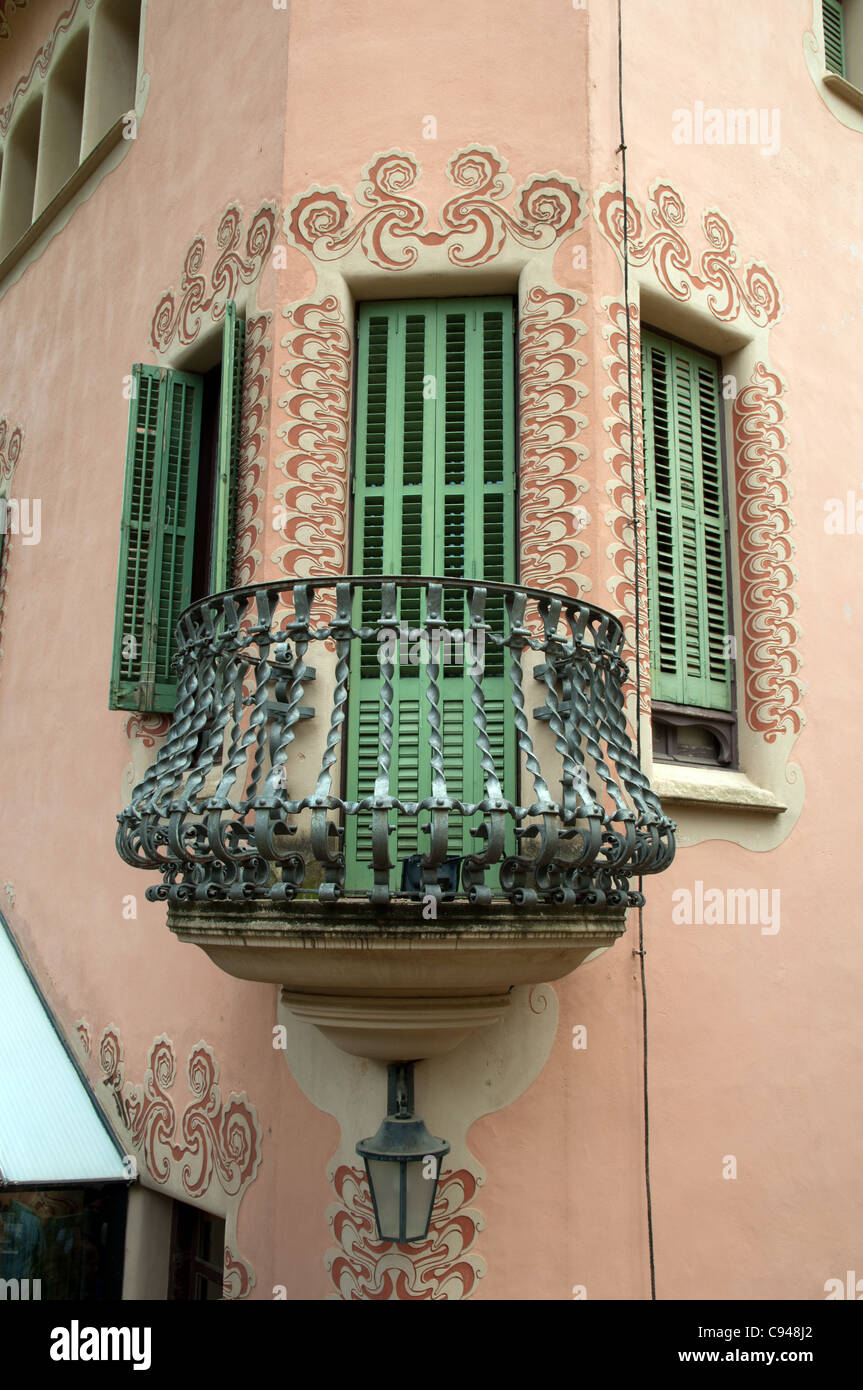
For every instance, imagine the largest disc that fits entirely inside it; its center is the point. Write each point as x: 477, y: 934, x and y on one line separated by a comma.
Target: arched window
x: 62, y: 121
x: 19, y: 175
x: 112, y: 75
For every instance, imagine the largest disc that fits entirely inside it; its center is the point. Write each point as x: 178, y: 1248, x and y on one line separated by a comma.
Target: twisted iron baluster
x: 206, y: 849
x: 438, y: 803
x: 519, y: 638
x: 341, y: 631
x: 493, y: 830
x: 216, y: 711
x: 433, y: 624
x: 262, y: 633
x: 382, y: 800
x: 491, y: 781
x: 325, y: 836
x: 235, y: 611
x: 653, y: 829
x: 550, y: 610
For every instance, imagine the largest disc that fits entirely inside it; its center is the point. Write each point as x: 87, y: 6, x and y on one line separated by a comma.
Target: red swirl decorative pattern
x: 147, y: 727
x: 255, y: 409
x: 11, y: 440
x: 389, y: 227
x: 663, y: 245
x: 619, y: 488
x: 772, y: 687
x: 364, y: 1269
x: 42, y: 60
x: 551, y: 554
x: 238, y: 1278
x: 311, y: 507
x: 181, y: 316
x: 216, y: 1137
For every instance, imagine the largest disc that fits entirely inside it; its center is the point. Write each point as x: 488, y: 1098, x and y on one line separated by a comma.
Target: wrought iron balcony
x: 233, y: 811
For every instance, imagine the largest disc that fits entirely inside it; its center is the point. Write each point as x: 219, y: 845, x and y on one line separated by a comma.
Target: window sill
x: 710, y: 786
x: 843, y: 88
x: 110, y: 139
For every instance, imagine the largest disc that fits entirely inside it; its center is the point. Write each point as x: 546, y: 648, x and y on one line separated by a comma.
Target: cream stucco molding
x: 208, y: 1156
x: 712, y: 298
x: 842, y: 98
x: 102, y: 149
x: 197, y: 303
x: 489, y: 238
x: 484, y: 1074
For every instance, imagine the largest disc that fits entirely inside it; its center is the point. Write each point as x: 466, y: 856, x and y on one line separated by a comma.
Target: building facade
x: 294, y: 292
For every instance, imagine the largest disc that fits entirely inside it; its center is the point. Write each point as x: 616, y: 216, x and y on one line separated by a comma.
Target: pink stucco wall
x: 754, y: 1040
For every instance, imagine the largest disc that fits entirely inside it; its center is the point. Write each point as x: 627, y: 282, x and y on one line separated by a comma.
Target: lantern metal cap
x: 400, y: 1138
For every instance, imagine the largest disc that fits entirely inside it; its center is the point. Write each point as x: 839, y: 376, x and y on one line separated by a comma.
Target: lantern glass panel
x: 420, y: 1196
x: 385, y: 1180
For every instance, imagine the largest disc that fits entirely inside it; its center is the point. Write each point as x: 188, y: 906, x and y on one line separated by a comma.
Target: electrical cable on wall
x: 637, y: 558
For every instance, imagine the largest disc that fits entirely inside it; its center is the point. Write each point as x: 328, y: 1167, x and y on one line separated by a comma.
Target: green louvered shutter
x: 686, y: 527
x: 155, y: 573
x: 230, y: 408
x: 834, y: 35
x: 434, y: 495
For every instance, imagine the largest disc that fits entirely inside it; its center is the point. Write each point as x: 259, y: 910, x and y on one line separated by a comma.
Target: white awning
x: 51, y: 1129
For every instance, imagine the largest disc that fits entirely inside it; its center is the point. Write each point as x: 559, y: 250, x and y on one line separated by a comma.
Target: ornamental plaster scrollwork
x: 11, y: 439
x: 178, y: 319
x: 212, y: 1150
x: 484, y: 1074
x: 253, y: 436
x: 550, y: 517
x: 619, y: 487
x: 773, y: 690
x: 311, y: 505
x: 180, y: 313
x: 388, y: 227
x: 441, y: 1267
x: 657, y: 238
x: 42, y: 60
x: 145, y: 733
x: 747, y: 297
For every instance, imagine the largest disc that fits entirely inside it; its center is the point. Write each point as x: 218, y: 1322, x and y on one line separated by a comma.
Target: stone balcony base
x: 387, y: 984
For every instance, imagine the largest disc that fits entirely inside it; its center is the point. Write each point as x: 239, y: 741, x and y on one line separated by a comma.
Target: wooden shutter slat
x: 434, y: 483
x: 155, y: 570
x: 687, y: 582
x: 834, y: 35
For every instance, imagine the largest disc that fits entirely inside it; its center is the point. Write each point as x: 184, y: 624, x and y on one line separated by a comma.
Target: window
x: 63, y: 1243
x: 197, y: 1255
x: 75, y: 112
x: 434, y: 494
x: 834, y: 35
x: 843, y: 46
x: 62, y: 122
x: 691, y: 647
x: 19, y: 175
x: 179, y: 502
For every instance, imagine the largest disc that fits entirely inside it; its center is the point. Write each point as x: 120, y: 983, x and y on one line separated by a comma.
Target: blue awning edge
x: 52, y: 1129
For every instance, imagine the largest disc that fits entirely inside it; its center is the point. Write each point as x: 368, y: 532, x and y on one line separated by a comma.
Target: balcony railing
x: 223, y: 814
